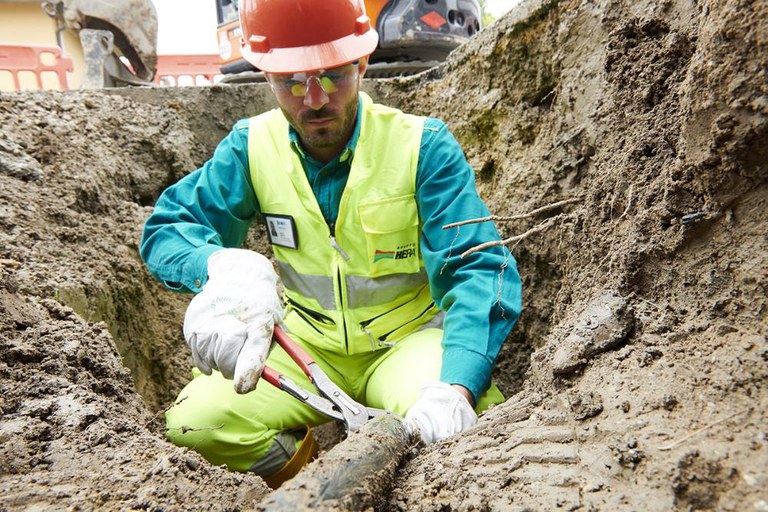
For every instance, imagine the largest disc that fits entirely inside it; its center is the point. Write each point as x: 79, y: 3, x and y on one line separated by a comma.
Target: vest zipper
x: 332, y: 233
x: 339, y: 249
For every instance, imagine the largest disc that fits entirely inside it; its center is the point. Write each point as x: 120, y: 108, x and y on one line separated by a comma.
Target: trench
x: 633, y: 127
x: 145, y: 319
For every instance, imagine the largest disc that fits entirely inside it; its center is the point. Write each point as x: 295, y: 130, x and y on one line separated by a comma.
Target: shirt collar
x: 349, y: 149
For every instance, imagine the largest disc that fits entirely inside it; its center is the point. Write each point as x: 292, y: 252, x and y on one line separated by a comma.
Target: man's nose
x: 316, y: 97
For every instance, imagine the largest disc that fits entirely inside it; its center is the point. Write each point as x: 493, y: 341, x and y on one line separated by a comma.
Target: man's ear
x: 362, y: 66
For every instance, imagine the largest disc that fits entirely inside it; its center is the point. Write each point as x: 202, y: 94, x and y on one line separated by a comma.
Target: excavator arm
x: 119, y: 38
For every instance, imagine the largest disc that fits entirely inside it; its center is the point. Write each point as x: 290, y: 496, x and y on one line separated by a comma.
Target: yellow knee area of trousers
x: 238, y: 430
x: 228, y: 428
x: 207, y: 420
x: 396, y: 379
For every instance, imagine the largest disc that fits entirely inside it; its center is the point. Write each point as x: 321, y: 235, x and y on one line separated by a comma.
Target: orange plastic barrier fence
x: 36, y: 59
x: 172, y: 68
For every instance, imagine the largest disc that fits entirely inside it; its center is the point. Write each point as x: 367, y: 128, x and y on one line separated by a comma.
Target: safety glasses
x: 330, y: 80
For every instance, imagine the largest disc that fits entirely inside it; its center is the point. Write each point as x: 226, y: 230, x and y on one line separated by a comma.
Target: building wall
x: 25, y: 23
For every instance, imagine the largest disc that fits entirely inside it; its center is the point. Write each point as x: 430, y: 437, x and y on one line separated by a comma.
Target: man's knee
x: 275, y: 456
x: 492, y: 396
x: 209, y: 422
x: 195, y: 421
x: 187, y: 425
x: 230, y: 429
x: 220, y: 437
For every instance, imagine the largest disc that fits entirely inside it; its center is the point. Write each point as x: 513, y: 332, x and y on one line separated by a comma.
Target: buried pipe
x: 354, y: 475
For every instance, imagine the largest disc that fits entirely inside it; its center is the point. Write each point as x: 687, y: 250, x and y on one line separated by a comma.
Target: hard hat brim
x: 312, y: 58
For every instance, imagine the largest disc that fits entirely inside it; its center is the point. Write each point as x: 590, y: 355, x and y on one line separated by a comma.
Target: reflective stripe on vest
x: 374, y: 249
x: 362, y: 291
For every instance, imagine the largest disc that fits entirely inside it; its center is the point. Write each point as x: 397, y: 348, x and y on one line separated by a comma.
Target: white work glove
x: 229, y: 324
x: 441, y: 411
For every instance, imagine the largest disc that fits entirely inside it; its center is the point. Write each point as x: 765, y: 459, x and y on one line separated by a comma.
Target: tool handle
x: 295, y: 351
x: 271, y: 376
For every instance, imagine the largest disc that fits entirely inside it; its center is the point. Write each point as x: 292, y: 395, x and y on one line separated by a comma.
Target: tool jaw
x: 353, y: 414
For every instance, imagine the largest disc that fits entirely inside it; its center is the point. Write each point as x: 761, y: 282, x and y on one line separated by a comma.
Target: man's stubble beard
x: 327, y: 137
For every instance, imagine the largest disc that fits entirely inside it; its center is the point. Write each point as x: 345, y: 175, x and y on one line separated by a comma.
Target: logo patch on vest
x: 403, y: 252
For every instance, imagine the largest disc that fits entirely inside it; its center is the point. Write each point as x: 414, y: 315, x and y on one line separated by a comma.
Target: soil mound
x: 637, y: 373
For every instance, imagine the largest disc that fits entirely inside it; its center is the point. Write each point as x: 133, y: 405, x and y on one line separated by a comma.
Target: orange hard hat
x: 290, y: 36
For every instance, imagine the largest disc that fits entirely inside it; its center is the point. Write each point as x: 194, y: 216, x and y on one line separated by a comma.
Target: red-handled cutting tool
x: 332, y: 401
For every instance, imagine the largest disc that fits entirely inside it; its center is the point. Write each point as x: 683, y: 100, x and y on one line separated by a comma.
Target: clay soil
x: 637, y: 373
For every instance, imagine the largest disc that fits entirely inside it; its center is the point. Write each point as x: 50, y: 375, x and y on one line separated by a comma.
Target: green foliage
x: 526, y: 133
x: 486, y: 18
x: 535, y: 18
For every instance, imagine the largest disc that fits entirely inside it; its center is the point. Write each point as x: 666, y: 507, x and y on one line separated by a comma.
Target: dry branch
x: 702, y: 429
x: 514, y: 217
x: 494, y: 243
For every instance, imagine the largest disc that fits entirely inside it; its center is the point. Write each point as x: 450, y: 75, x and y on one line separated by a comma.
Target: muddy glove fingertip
x: 253, y: 356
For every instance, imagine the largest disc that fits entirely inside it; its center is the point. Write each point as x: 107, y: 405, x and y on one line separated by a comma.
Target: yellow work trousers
x: 237, y: 430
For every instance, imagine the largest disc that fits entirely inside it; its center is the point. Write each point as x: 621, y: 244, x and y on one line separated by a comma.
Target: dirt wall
x: 645, y: 301
x: 79, y: 172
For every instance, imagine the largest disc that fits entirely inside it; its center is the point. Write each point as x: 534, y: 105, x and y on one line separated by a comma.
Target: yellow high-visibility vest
x: 362, y: 286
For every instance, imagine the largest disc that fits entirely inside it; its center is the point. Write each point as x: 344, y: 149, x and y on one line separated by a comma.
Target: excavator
x: 119, y: 39
x: 113, y: 43
x: 414, y: 35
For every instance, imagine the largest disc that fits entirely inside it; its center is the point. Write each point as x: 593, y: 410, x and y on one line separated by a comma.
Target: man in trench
x: 355, y: 195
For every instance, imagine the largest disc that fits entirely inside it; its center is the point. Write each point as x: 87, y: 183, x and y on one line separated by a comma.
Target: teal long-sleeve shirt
x: 215, y: 206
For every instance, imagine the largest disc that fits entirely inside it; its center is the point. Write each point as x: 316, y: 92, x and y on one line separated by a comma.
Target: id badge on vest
x: 281, y: 230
